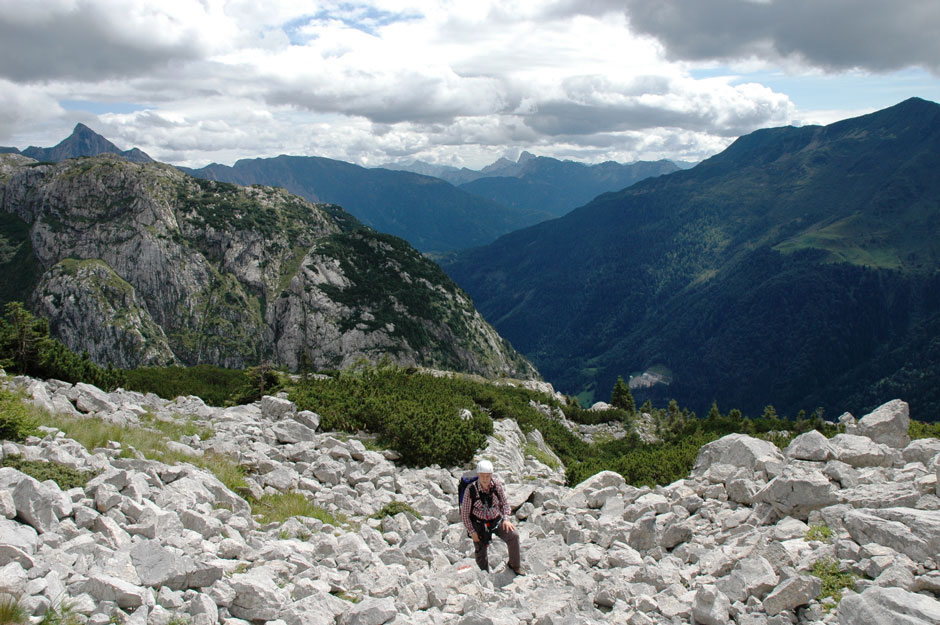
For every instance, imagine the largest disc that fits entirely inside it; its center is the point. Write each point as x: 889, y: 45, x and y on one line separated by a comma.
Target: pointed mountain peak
x: 84, y: 142
x: 525, y: 157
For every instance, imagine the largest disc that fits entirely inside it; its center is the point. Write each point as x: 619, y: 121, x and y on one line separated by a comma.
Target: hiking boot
x: 519, y: 572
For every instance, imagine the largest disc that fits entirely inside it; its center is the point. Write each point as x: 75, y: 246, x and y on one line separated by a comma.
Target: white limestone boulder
x: 88, y: 398
x: 792, y: 593
x: 36, y: 503
x: 752, y: 577
x: 710, y: 606
x: 111, y: 588
x: 370, y: 611
x: 257, y: 595
x: 877, y: 606
x: 308, y: 418
x: 887, y: 424
x: 741, y: 451
x: 797, y: 493
x: 12, y: 579
x: 811, y: 445
x: 922, y: 450
x: 276, y: 408
x: 860, y: 451
x: 915, y: 533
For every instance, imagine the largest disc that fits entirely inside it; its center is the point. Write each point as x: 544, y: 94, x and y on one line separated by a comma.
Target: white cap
x: 484, y: 466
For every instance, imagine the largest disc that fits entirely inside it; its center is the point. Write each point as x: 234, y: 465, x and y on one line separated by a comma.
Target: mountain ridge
x: 138, y: 263
x: 819, y: 213
x: 430, y: 213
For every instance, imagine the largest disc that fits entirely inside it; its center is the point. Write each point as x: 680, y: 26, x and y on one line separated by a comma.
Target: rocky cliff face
x: 141, y: 264
x: 736, y: 541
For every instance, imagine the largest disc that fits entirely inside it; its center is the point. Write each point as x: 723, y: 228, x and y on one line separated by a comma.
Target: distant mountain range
x: 431, y: 213
x: 557, y: 186
x: 800, y: 268
x: 82, y: 142
x: 539, y: 183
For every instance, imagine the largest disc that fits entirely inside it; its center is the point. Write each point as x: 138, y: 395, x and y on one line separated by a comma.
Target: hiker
x: 484, y: 511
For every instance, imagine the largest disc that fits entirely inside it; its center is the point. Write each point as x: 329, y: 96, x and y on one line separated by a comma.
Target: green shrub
x: 395, y: 507
x: 214, y: 385
x: 17, y: 420
x: 416, y: 414
x: 833, y: 581
x: 66, y: 477
x: 821, y: 533
x: 919, y: 429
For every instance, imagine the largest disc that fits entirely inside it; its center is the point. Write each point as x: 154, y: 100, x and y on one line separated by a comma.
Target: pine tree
x: 622, y: 398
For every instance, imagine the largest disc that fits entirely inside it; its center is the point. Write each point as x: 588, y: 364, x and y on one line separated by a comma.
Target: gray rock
x: 742, y: 451
x: 11, y: 553
x: 7, y: 505
x: 915, y: 533
x: 809, y: 446
x: 36, y: 503
x: 185, y: 450
x: 18, y: 535
x: 751, y: 577
x: 12, y: 579
x: 289, y: 431
x: 888, y: 424
x: 369, y: 611
x: 110, y: 588
x: 257, y: 596
x: 792, y: 593
x: 88, y: 398
x: 203, y: 610
x: 308, y: 418
x: 877, y: 606
x: 922, y: 450
x: 318, y: 608
x: 275, y: 408
x: 797, y: 493
x: 896, y: 576
x: 157, y: 566
x: 860, y: 451
x: 710, y: 606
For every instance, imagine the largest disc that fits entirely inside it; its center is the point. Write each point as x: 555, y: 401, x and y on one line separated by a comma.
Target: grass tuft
x: 531, y: 449
x: 282, y: 506
x: 11, y: 612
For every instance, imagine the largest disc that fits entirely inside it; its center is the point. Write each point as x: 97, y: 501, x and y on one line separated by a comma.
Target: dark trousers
x: 512, y: 542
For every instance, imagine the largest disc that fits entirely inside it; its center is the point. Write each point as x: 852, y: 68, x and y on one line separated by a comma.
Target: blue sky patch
x: 100, y: 108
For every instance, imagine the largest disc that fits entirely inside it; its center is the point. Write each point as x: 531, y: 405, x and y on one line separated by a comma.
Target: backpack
x: 465, y: 480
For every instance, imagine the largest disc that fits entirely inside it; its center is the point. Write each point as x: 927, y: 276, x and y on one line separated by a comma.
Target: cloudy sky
x: 459, y: 82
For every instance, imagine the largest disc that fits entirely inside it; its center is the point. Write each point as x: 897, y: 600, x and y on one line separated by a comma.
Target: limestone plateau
x: 147, y: 542
x: 140, y: 264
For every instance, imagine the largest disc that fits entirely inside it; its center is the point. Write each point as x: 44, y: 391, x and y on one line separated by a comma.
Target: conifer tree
x: 622, y: 398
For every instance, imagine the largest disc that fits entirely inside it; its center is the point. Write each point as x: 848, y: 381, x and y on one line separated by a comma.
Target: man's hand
x: 508, y: 526
x: 475, y: 537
